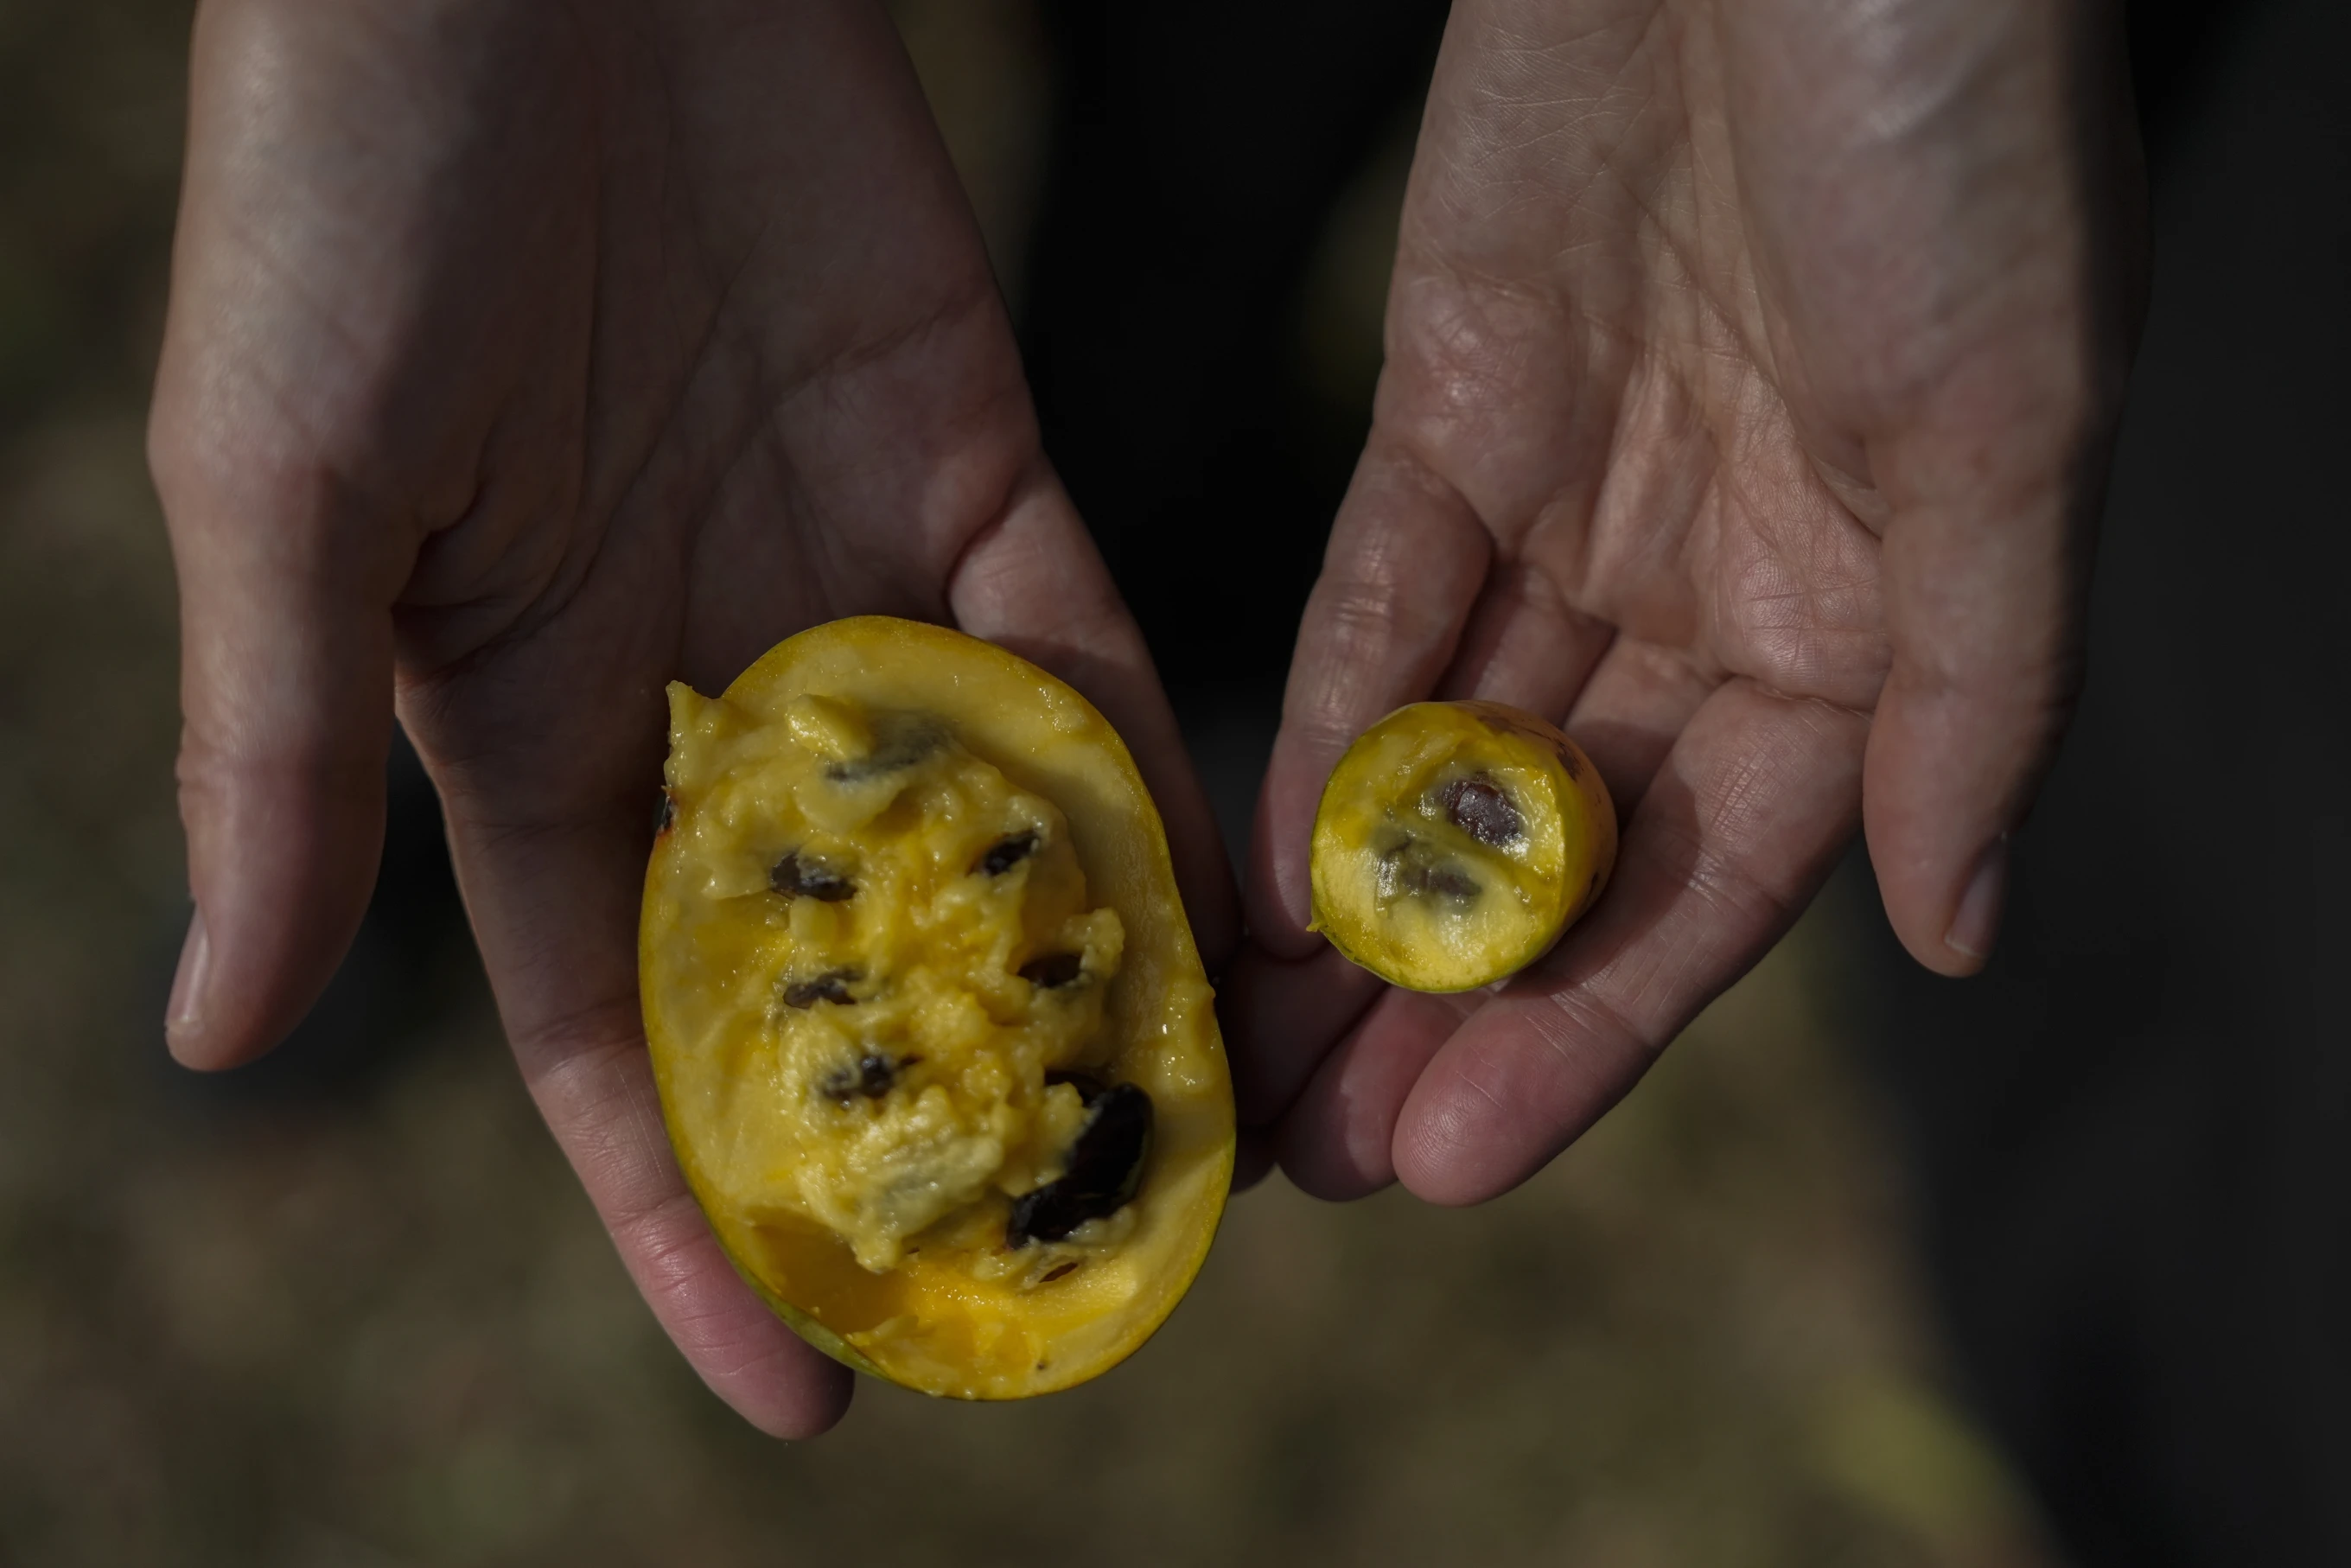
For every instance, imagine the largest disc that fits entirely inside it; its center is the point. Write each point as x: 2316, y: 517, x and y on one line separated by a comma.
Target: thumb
x: 285, y: 696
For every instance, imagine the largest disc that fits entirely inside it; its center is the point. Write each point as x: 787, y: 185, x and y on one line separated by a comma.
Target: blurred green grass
x: 381, y: 1326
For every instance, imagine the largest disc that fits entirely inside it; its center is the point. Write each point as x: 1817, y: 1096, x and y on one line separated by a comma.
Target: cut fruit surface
x: 1455, y: 841
x: 934, y: 1043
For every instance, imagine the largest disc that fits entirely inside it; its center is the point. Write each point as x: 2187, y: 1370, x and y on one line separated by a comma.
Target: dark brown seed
x: 1006, y: 854
x: 796, y: 878
x: 1105, y: 1170
x: 873, y: 1076
x: 1483, y: 810
x: 905, y: 741
x: 1443, y: 881
x: 664, y: 813
x: 832, y: 986
x: 1417, y: 869
x: 1053, y: 1274
x: 1054, y: 971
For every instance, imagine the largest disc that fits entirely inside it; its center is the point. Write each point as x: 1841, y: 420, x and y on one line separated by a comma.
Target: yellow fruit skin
x: 950, y: 1336
x: 1572, y: 831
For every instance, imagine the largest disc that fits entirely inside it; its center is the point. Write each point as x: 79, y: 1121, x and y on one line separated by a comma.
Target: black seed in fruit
x: 797, y: 878
x: 1006, y: 854
x: 1483, y: 810
x: 664, y: 813
x: 870, y: 1077
x: 1053, y: 1274
x: 832, y: 986
x: 1440, y: 881
x: 1105, y: 1168
x: 1054, y: 971
x: 1417, y: 870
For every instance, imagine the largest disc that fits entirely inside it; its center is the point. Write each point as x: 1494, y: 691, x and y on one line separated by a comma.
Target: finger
x: 1632, y: 711
x: 1033, y: 582
x: 546, y: 796
x: 1731, y: 839
x: 285, y: 696
x: 1338, y: 1141
x: 1406, y: 561
x: 1984, y: 619
x: 1282, y: 1014
x: 1525, y: 644
x: 554, y: 905
x: 1967, y: 410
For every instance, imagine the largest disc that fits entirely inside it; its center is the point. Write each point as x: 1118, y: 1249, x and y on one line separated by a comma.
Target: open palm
x: 520, y: 360
x: 1750, y: 369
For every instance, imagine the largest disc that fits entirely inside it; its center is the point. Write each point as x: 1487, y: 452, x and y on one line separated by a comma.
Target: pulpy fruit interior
x: 1455, y: 841
x: 934, y: 1043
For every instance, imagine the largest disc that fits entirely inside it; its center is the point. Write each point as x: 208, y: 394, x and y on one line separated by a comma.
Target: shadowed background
x: 347, y: 1307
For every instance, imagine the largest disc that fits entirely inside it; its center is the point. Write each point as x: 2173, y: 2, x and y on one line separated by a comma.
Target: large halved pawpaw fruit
x: 1455, y: 841
x: 934, y: 1043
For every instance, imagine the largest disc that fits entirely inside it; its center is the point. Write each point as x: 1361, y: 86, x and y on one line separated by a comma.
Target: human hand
x: 521, y: 359
x: 1752, y: 370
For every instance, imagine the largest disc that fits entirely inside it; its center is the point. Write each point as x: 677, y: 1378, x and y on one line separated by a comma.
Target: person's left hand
x: 1751, y: 369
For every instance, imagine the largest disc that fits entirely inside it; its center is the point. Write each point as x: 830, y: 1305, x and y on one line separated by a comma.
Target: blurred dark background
x: 1874, y: 1269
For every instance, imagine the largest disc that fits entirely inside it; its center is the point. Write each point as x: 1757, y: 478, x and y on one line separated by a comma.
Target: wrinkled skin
x: 521, y: 359
x: 1751, y: 372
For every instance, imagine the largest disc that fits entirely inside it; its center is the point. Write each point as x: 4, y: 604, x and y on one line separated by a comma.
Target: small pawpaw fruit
x: 934, y: 1044
x: 1455, y: 841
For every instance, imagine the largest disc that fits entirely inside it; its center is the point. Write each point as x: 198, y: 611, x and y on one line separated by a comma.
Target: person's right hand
x: 523, y: 358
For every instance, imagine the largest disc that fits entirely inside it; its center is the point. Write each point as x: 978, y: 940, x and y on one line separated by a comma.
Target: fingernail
x: 1977, y: 921
x: 184, y: 1014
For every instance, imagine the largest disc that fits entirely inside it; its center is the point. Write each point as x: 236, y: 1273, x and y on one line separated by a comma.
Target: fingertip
x: 1280, y: 895
x: 1441, y: 1155
x: 1518, y: 1082
x: 1974, y: 926
x: 795, y: 1392
x: 1433, y: 1160
x: 1253, y: 1157
x: 1336, y: 1181
x: 1334, y: 1143
x: 1338, y: 1141
x: 1281, y: 1017
x: 1942, y: 787
x: 184, y: 1015
x: 1940, y: 853
x: 742, y: 1350
x: 283, y: 866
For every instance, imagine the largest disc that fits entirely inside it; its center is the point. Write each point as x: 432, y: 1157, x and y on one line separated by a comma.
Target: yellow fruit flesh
x: 874, y: 832
x: 1454, y: 842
